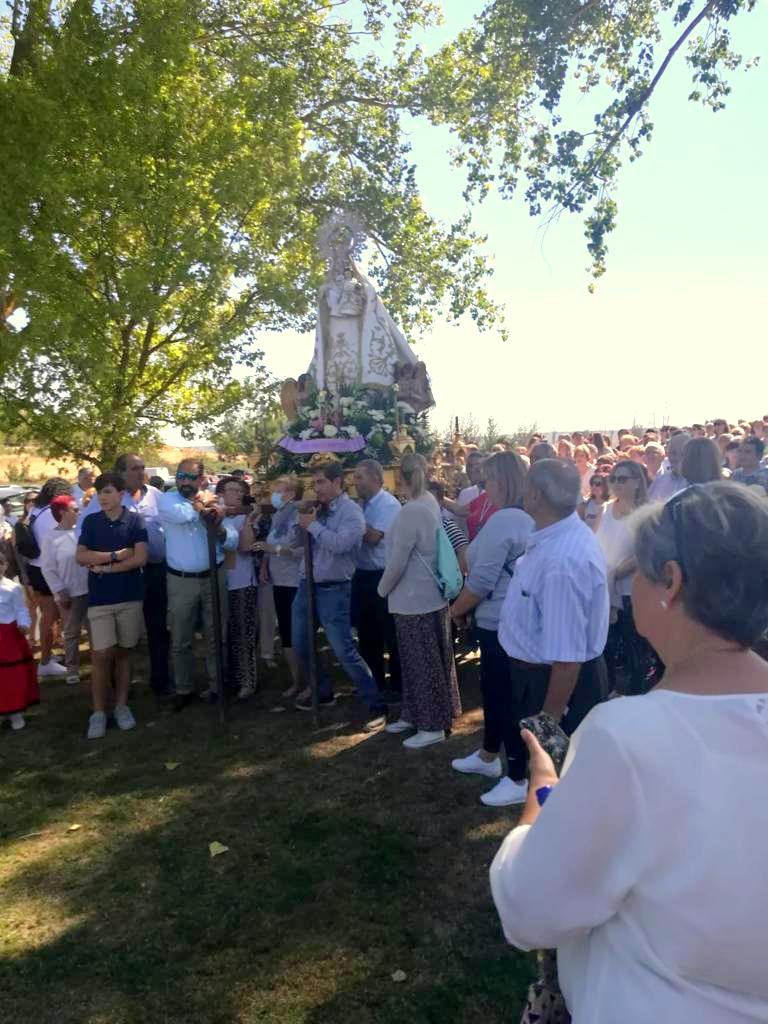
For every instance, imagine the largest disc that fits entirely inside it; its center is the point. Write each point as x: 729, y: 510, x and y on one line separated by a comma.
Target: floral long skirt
x: 243, y: 635
x: 431, y: 698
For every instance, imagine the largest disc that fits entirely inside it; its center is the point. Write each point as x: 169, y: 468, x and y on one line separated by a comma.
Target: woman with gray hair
x: 658, y: 913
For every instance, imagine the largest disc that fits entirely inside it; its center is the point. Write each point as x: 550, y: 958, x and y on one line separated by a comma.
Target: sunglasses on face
x: 620, y: 479
x: 186, y: 476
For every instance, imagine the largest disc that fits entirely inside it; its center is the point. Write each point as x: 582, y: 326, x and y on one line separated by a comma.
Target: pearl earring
x: 664, y: 604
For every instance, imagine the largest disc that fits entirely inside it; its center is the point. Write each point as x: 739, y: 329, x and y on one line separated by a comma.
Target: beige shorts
x: 115, y: 625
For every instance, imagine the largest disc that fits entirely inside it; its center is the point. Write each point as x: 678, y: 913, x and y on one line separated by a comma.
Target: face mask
x: 277, y: 500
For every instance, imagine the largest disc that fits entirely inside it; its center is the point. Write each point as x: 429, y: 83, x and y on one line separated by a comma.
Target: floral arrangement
x: 369, y: 417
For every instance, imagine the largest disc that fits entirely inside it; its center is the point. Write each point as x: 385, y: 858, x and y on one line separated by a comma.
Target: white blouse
x: 616, y: 541
x: 646, y: 868
x: 13, y: 608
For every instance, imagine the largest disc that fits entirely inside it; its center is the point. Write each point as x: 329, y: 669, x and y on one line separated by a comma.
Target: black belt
x: 530, y: 666
x: 192, y: 575
x: 332, y: 583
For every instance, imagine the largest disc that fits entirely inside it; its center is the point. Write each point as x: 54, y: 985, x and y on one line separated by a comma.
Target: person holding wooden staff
x: 183, y: 513
x: 336, y: 525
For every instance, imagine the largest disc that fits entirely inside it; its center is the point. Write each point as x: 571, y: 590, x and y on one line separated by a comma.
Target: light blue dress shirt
x: 186, y: 537
x: 380, y: 512
x: 148, y: 508
x: 337, y: 536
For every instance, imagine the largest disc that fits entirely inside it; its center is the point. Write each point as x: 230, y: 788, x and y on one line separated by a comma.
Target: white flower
x: 330, y: 431
x: 387, y: 429
x: 406, y: 408
x: 313, y: 414
x: 352, y: 432
x: 306, y: 434
x: 377, y: 414
x: 345, y: 402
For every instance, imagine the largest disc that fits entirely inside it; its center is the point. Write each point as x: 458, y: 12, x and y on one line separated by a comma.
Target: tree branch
x: 366, y: 101
x: 643, y: 98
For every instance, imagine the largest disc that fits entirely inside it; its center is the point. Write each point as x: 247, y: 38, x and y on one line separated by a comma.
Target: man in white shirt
x: 183, y: 516
x: 475, y: 474
x: 84, y: 483
x: 670, y: 481
x: 554, y: 621
x: 460, y: 508
x: 370, y: 614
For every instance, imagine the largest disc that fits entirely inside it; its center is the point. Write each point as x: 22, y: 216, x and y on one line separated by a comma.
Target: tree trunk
x: 27, y: 37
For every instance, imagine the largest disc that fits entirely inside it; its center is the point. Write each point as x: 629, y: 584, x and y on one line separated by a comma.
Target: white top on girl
x: 13, y: 607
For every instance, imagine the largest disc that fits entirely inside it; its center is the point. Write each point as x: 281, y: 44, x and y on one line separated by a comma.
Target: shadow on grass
x: 348, y: 860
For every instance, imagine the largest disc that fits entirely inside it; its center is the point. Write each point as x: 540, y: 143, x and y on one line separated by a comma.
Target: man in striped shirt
x: 554, y: 622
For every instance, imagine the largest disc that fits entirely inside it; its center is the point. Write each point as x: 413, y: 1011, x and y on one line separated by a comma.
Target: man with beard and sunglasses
x: 182, y: 514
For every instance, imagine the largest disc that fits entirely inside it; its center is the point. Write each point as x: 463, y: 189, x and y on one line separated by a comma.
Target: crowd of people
x: 581, y: 568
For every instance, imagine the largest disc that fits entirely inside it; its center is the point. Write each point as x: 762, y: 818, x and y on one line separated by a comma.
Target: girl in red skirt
x: 18, y: 674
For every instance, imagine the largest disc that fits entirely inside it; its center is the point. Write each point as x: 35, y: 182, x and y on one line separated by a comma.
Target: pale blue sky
x: 676, y: 328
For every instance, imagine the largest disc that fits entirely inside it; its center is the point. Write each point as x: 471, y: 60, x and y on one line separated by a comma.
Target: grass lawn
x: 349, y: 859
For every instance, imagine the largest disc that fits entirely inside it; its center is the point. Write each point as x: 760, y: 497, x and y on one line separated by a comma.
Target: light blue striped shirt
x: 557, y: 607
x: 380, y: 512
x: 186, y: 537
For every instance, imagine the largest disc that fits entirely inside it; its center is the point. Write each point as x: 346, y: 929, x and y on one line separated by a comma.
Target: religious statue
x: 357, y: 343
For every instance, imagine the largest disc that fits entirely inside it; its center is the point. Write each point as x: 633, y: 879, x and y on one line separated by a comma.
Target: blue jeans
x: 332, y: 605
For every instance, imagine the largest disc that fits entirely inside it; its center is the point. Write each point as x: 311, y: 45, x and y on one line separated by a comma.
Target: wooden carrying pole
x: 311, y: 627
x: 212, y: 527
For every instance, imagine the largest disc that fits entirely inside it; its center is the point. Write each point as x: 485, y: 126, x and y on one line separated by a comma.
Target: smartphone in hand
x: 550, y: 736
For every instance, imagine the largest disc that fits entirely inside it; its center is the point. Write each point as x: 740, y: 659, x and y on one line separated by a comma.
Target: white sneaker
x: 245, y: 692
x: 124, y: 717
x: 73, y: 679
x: 17, y: 721
x: 52, y: 668
x: 424, y: 739
x: 505, y: 793
x: 97, y: 726
x: 400, y: 726
x: 475, y: 765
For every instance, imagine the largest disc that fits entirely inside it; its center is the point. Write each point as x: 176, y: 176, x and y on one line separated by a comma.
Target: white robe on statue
x: 356, y: 348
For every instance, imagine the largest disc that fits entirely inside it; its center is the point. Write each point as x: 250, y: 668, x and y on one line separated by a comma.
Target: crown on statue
x: 341, y: 239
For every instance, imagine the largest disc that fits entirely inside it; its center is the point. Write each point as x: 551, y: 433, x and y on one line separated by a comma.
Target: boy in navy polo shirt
x: 113, y: 544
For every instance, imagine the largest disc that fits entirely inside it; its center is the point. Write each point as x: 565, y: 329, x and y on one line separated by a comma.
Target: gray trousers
x: 72, y: 621
x: 190, y: 603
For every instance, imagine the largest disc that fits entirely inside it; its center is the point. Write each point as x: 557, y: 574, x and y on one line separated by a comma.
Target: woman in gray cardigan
x: 430, y: 688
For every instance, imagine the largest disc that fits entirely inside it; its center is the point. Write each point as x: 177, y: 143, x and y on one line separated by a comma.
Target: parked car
x: 15, y: 495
